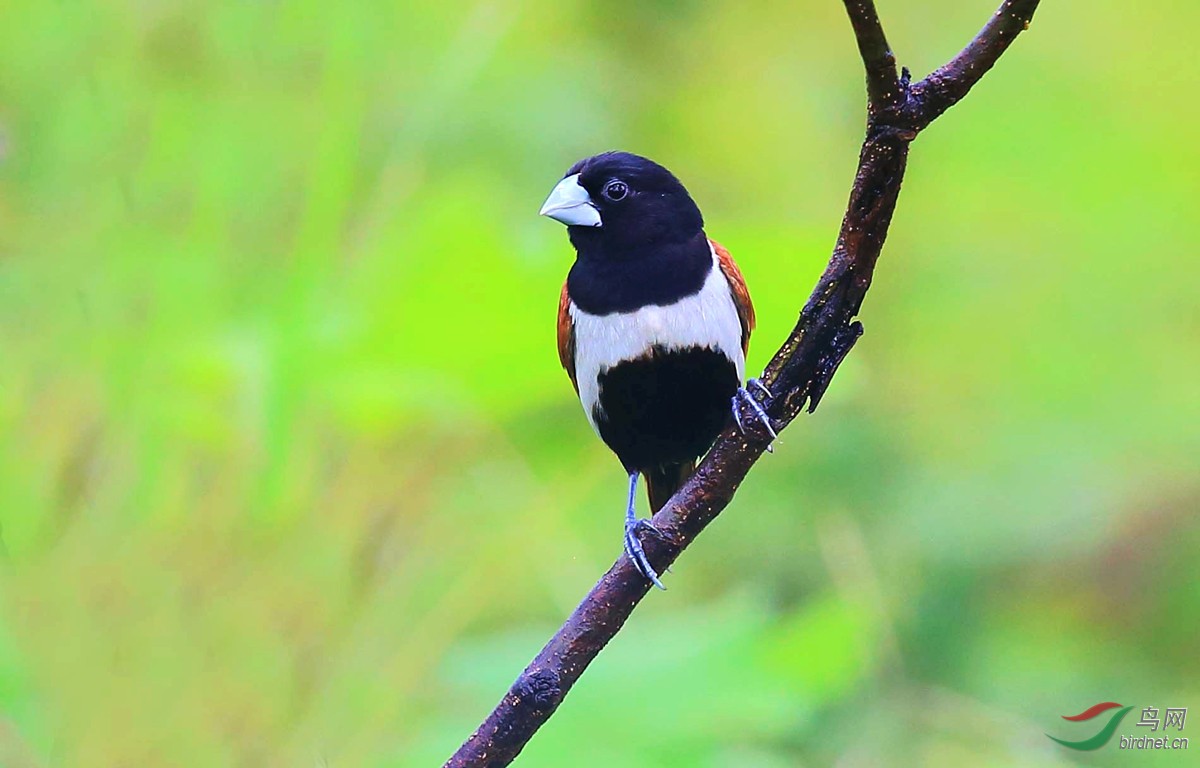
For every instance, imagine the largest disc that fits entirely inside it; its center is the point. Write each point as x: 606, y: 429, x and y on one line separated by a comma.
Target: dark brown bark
x: 798, y: 374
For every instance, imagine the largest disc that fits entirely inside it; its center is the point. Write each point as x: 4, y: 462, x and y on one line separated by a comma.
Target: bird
x: 654, y: 323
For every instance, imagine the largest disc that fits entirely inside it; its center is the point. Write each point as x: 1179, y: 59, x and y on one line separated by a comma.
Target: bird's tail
x: 663, y: 481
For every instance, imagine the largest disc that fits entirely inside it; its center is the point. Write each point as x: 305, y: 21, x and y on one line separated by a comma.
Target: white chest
x: 708, y: 318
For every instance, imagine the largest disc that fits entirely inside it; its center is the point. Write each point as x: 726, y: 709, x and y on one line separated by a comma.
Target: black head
x: 639, y: 239
x: 620, y: 204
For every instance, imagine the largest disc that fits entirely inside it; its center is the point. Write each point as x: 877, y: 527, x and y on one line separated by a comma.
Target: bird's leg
x: 743, y: 395
x: 633, y: 546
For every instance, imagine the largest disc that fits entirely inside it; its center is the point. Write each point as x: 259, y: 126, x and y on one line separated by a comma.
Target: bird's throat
x: 607, y: 278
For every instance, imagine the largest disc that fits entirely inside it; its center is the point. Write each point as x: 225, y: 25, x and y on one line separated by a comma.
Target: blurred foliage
x: 289, y: 474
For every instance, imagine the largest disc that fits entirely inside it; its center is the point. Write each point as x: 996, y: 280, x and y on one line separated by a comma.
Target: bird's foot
x: 633, y: 548
x: 743, y: 395
x: 757, y: 384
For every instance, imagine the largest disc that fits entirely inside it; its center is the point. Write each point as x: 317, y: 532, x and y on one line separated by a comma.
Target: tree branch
x: 883, y: 86
x: 946, y: 85
x: 798, y: 374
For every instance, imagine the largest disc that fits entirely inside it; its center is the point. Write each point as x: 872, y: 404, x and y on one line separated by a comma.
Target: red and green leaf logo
x: 1104, y: 734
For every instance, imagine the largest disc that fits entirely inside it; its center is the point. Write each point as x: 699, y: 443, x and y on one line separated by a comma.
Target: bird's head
x: 624, y: 203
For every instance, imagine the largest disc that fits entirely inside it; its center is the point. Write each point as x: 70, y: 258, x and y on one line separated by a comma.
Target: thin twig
x: 883, y: 86
x: 798, y: 374
x: 949, y: 83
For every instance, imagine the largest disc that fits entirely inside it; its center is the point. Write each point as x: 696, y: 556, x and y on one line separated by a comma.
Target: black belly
x: 666, y: 407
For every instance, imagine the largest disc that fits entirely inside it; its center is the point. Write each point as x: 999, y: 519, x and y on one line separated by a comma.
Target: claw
x: 761, y: 387
x: 744, y: 396
x: 633, y: 548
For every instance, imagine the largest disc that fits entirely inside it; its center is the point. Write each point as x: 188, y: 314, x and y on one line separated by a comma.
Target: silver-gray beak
x: 569, y: 203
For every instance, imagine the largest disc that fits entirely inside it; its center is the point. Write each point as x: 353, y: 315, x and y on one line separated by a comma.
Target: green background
x: 289, y: 473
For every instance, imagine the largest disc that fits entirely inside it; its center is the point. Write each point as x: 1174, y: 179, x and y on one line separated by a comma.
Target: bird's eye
x: 616, y: 190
